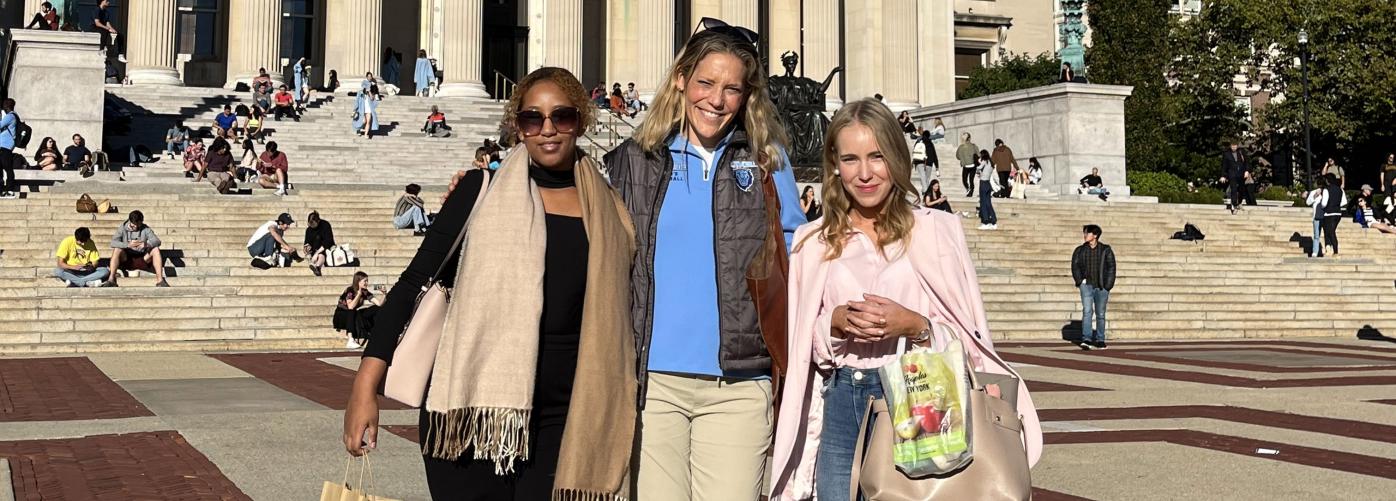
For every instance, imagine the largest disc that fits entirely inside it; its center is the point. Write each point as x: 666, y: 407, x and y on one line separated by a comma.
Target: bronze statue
x: 801, y: 104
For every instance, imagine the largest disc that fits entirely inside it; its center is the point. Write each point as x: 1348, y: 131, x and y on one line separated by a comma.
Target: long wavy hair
x: 894, y: 220
x: 757, y: 115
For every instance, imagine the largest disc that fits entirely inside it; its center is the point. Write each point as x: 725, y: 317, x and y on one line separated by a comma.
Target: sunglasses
x: 721, y: 27
x: 565, y: 121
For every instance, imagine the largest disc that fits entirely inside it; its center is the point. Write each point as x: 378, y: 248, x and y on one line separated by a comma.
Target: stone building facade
x: 914, y: 52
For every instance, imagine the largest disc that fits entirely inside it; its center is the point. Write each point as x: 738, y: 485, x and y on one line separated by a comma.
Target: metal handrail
x: 508, y: 91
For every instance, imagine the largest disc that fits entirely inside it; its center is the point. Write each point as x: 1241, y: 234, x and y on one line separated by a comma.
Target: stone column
x: 562, y: 42
x: 152, y: 55
x: 742, y: 13
x: 254, y: 40
x: 863, y: 49
x: 460, y: 58
x: 354, y: 41
x: 899, y: 57
x: 935, y: 39
x: 656, y: 46
x: 782, y: 33
x: 821, y: 50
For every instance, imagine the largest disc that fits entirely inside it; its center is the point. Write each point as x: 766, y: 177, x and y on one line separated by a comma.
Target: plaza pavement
x: 1140, y: 421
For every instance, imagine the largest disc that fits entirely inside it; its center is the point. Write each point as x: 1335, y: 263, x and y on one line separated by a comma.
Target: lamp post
x: 1308, y: 147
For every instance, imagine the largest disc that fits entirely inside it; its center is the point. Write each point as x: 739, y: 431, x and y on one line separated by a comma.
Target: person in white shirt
x: 268, y: 245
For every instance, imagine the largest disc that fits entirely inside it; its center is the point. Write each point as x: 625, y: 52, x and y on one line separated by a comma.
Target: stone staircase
x: 1247, y: 279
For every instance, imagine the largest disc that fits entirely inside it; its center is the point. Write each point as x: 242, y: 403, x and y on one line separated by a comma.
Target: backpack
x: 23, y: 133
x: 1190, y: 233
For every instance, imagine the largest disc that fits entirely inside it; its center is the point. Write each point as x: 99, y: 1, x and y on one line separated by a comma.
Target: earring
x: 836, y: 172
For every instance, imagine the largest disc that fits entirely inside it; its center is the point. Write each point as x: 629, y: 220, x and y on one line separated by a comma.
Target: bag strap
x: 460, y: 238
x: 860, y: 446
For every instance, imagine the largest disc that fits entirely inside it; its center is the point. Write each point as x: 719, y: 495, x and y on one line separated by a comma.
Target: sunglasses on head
x: 565, y: 120
x: 721, y: 27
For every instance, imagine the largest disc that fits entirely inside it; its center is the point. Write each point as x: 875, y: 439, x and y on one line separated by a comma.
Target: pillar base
x: 462, y: 89
x: 154, y: 76
x: 900, y: 106
x: 832, y: 103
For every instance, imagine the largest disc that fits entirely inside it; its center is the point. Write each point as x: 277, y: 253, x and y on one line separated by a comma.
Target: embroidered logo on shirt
x: 744, y: 171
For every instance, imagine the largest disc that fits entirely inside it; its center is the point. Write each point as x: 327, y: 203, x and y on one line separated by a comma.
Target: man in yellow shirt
x: 77, y: 261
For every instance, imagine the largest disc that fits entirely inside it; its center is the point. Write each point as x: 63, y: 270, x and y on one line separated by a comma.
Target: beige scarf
x: 481, y: 393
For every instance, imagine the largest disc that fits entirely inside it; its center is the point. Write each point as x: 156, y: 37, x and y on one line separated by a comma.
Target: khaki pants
x: 703, y: 440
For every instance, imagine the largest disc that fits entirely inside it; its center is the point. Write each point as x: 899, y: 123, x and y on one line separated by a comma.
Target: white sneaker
x: 121, y: 58
x: 984, y: 227
x: 352, y: 344
x: 8, y: 195
x: 280, y: 192
x: 93, y: 283
x: 994, y: 226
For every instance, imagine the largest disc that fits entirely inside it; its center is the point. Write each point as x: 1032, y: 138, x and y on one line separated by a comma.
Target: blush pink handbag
x: 407, y: 376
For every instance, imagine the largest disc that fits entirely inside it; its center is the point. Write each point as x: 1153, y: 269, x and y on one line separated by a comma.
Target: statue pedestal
x: 1070, y: 128
x: 57, y: 82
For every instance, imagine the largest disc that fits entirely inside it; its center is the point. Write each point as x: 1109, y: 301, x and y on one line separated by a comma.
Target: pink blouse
x: 862, y: 269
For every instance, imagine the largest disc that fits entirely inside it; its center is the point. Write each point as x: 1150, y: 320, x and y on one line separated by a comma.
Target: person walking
x: 1093, y: 272
x: 534, y: 384
x: 1234, y: 173
x: 693, y: 176
x: 365, y: 117
x: 968, y: 156
x: 422, y: 74
x: 988, y: 219
x: 1004, y: 163
x: 1327, y: 201
x: 9, y: 134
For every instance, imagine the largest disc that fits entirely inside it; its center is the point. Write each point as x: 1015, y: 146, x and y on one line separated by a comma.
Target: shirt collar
x: 680, y: 143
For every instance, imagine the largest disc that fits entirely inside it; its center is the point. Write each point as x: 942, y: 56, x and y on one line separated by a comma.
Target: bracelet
x: 924, y: 335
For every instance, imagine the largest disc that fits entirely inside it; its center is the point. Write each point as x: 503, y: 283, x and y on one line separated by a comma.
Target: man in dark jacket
x: 1093, y: 271
x: 1004, y: 163
x: 1235, y: 170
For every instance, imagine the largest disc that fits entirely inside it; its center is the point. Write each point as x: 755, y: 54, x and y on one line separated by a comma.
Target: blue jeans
x: 413, y: 218
x: 175, y: 147
x: 1318, y: 242
x: 1093, y: 305
x: 845, y: 400
x: 264, y: 246
x: 77, y: 279
x: 986, y: 204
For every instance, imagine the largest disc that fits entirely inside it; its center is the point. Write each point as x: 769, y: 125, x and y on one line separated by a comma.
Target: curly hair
x: 757, y: 115
x: 564, y: 80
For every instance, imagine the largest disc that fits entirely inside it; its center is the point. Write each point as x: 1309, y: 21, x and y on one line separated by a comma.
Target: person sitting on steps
x: 1093, y: 185
x: 77, y: 155
x: 176, y: 140
x: 436, y: 124
x: 411, y: 211
x: 285, y: 104
x: 219, y: 167
x: 358, y: 307
x: 46, y: 19
x: 48, y: 157
x: 224, y: 124
x: 319, y: 239
x: 268, y: 245
x: 194, y: 157
x: 135, y: 247
x: 77, y: 260
x: 272, y: 167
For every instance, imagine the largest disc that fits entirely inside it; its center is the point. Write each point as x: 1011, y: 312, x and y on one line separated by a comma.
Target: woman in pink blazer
x: 874, y: 272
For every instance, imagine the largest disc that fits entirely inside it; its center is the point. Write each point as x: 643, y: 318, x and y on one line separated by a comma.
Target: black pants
x: 1003, y: 183
x: 7, y: 166
x: 38, y: 22
x: 967, y: 178
x: 1235, y: 189
x: 467, y: 479
x: 1330, y: 231
x: 290, y: 111
x: 108, y: 40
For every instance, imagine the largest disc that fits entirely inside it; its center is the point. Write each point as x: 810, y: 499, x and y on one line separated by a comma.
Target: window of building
x: 197, y: 22
x: 966, y: 60
x: 1185, y: 7
x: 297, y: 29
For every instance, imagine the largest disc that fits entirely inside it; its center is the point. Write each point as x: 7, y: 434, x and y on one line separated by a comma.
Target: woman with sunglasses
x: 692, y: 177
x: 533, y: 388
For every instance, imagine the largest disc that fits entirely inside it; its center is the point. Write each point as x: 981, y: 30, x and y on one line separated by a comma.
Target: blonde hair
x: 894, y: 220
x: 565, y: 81
x: 757, y: 114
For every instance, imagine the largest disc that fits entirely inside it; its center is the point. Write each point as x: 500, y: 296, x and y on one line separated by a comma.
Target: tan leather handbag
x: 766, y: 281
x: 999, y: 470
x: 410, y: 371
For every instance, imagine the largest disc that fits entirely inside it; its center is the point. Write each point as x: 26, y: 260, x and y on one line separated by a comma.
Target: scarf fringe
x: 497, y: 434
x: 581, y: 495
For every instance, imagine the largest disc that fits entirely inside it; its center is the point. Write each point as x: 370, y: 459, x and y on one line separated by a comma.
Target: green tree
x: 1014, y: 72
x: 1130, y: 47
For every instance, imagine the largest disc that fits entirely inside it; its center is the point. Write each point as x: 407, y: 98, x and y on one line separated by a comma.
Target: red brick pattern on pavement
x: 305, y: 375
x: 1192, y: 376
x: 1331, y: 426
x: 62, y: 389
x: 1289, y: 453
x: 151, y: 465
x: 407, y: 431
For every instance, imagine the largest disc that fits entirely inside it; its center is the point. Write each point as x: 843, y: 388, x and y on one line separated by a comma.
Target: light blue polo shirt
x: 685, y: 336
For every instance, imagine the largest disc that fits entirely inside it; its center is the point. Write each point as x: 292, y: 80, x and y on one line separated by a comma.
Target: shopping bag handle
x: 861, y: 445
